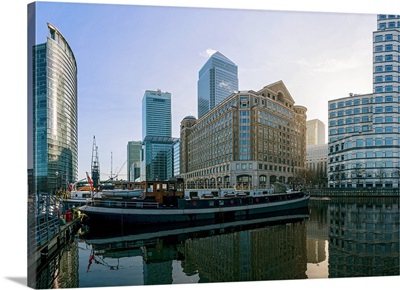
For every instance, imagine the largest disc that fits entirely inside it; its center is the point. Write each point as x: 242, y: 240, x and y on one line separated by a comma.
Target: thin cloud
x: 208, y: 52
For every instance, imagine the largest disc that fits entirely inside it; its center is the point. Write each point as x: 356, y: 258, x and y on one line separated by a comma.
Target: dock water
x: 52, y: 224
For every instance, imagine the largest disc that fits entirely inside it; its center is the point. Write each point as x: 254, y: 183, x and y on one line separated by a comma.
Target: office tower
x: 250, y: 140
x: 156, y: 154
x: 364, y: 137
x: 133, y: 160
x: 315, y: 132
x: 54, y: 105
x: 156, y: 114
x: 218, y: 79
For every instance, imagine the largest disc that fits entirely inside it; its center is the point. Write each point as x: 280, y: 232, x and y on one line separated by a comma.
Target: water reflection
x: 263, y: 249
x: 338, y: 238
x: 360, y: 237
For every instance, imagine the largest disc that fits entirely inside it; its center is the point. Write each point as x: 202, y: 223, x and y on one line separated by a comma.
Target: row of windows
x: 386, y: 37
x: 386, y: 78
x: 363, y: 118
x: 386, y: 89
x: 387, y: 47
x: 362, y: 155
x: 366, y: 100
x: 362, y: 143
x: 387, y: 57
x: 386, y: 68
x: 388, y: 25
x: 360, y: 166
x: 357, y: 111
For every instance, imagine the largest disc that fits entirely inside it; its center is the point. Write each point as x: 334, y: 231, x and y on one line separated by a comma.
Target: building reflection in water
x: 263, y: 252
x: 364, y: 237
x: 271, y: 253
x: 61, y: 271
x: 317, y: 236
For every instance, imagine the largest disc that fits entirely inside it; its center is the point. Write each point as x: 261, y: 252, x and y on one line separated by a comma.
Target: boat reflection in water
x: 268, y: 248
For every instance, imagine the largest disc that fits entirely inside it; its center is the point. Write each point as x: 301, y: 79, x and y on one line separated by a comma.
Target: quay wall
x: 355, y: 192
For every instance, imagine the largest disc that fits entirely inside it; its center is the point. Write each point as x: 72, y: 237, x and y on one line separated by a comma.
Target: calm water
x: 336, y: 238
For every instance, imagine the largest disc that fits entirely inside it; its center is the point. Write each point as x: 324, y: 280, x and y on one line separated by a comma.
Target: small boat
x: 161, y: 202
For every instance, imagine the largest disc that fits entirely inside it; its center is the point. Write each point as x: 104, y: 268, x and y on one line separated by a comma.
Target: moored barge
x: 168, y: 202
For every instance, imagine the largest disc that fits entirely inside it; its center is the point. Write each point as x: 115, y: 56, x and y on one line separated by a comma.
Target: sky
x: 122, y: 50
x: 306, y: 87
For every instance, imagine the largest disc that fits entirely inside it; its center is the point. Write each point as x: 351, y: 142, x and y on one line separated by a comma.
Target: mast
x: 95, y: 164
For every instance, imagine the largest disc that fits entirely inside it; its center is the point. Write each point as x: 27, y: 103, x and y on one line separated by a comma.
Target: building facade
x: 133, y: 160
x: 250, y: 140
x: 157, y: 161
x: 156, y: 114
x: 55, y: 114
x: 364, y: 137
x: 315, y: 132
x: 156, y: 157
x: 218, y: 79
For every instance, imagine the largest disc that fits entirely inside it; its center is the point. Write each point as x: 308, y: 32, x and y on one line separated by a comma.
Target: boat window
x: 221, y: 202
x: 211, y: 203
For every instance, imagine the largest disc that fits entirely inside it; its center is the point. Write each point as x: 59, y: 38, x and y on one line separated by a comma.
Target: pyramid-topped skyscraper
x: 218, y: 79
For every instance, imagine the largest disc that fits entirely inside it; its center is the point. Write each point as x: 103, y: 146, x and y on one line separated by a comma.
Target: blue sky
x: 122, y: 50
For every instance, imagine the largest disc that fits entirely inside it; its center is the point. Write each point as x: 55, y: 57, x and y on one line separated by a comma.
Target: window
x: 389, y: 109
x: 332, y: 106
x: 378, y: 119
x: 389, y: 57
x: 388, y: 47
x: 378, y: 79
x: 388, y: 119
x: 388, y: 99
x: 378, y: 100
x: 378, y: 58
x: 389, y: 88
x: 388, y: 129
x: 388, y: 78
x: 378, y: 130
x: 378, y: 89
x: 369, y: 142
x: 379, y: 109
x: 388, y: 37
x: 379, y: 48
x: 379, y: 68
x: 378, y: 142
x: 359, y: 143
x: 389, y: 67
x: 341, y: 104
x: 389, y: 141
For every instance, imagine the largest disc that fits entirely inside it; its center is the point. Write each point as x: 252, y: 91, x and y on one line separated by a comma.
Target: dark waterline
x: 343, y: 237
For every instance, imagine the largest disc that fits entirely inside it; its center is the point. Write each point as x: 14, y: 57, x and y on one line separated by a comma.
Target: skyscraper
x: 315, y: 132
x: 218, y: 79
x: 54, y: 106
x: 156, y: 114
x: 156, y: 155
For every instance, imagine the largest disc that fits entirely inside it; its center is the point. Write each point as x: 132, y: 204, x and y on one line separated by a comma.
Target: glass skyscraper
x: 218, y: 79
x: 364, y: 133
x: 156, y: 155
x: 156, y: 114
x: 55, y: 113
